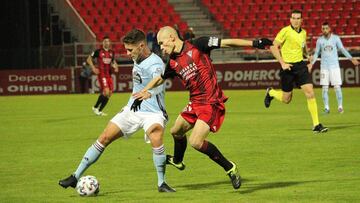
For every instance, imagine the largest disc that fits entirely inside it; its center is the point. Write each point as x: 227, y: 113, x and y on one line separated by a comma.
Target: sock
x: 339, y: 96
x: 90, y: 157
x: 99, y: 101
x: 277, y: 94
x: 159, y: 159
x: 103, y: 103
x: 312, y: 106
x: 325, y: 96
x: 179, y: 148
x: 209, y: 149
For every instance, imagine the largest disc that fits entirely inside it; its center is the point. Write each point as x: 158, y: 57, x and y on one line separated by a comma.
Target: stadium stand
x: 255, y: 18
x: 115, y: 18
x: 224, y: 18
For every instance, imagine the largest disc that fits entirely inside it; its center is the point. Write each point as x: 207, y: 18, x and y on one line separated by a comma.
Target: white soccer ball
x: 88, y: 186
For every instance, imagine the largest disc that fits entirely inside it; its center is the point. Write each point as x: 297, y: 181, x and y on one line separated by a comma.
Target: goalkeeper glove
x: 262, y: 43
x: 136, y: 105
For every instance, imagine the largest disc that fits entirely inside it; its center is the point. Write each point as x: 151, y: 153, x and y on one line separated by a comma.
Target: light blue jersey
x: 143, y: 73
x: 328, y: 48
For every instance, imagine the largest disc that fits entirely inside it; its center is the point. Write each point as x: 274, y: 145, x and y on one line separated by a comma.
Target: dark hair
x: 325, y: 23
x: 134, y: 36
x: 106, y: 37
x: 296, y: 11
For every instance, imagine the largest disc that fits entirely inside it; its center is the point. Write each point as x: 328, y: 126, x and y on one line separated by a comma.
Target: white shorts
x: 330, y: 76
x: 130, y: 122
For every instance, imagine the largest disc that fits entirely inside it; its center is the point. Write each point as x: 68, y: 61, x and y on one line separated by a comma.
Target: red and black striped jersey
x: 193, y: 66
x: 104, y: 60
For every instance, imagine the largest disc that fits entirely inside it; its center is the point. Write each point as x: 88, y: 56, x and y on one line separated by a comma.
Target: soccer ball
x: 88, y: 186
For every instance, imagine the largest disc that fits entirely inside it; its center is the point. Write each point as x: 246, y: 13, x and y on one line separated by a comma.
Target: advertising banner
x: 35, y: 81
x: 230, y: 76
x: 239, y: 76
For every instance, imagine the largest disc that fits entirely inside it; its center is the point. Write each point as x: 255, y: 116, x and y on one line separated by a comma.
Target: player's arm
x: 312, y: 59
x: 340, y: 45
x: 258, y: 43
x: 316, y: 52
x: 306, y: 54
x: 156, y: 81
x: 146, y: 92
x: 275, y: 50
x: 114, y: 64
x: 89, y: 60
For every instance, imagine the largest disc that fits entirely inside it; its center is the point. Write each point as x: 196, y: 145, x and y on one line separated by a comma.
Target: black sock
x: 98, y: 101
x: 209, y: 149
x: 103, y: 103
x: 179, y: 148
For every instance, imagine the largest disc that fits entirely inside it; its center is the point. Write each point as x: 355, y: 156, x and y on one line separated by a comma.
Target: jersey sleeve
x: 113, y: 57
x: 316, y: 52
x: 340, y: 46
x: 95, y: 53
x: 169, y: 72
x: 206, y: 44
x: 281, y: 36
x: 156, y: 70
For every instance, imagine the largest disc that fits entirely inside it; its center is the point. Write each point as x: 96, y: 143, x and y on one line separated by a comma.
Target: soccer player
x: 190, y: 61
x: 327, y: 46
x: 151, y: 116
x: 105, y: 60
x: 292, y: 40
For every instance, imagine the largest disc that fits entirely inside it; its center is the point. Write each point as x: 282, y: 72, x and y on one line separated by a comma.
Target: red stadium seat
x: 317, y: 7
x: 243, y: 33
x: 235, y: 34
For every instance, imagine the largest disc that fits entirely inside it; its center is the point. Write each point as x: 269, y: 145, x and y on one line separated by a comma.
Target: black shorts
x: 298, y: 75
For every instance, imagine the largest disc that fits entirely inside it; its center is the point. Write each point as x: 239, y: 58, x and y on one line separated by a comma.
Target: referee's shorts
x: 297, y: 76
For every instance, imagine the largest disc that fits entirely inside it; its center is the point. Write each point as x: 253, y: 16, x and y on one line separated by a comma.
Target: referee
x: 292, y: 40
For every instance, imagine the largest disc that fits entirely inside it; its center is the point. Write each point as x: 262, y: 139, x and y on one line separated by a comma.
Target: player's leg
x: 285, y: 94
x: 155, y: 133
x: 111, y: 133
x: 178, y: 131
x: 303, y: 79
x: 311, y: 102
x: 108, y: 89
x: 325, y: 96
x: 324, y: 82
x: 100, y: 98
x: 106, y: 95
x: 335, y: 79
x: 103, y: 97
x: 339, y: 98
x: 312, y: 107
x: 198, y: 141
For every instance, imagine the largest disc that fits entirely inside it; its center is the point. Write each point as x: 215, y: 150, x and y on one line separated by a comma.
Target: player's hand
x: 355, y: 62
x: 286, y: 66
x: 95, y: 70
x: 262, y: 43
x: 309, y: 66
x: 136, y: 105
x: 141, y: 95
x: 310, y: 58
x: 116, y: 68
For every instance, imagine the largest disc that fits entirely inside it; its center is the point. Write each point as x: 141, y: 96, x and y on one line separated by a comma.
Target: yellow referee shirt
x: 293, y: 44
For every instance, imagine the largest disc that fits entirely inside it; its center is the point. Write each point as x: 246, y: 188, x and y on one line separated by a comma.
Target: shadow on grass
x: 110, y: 192
x: 266, y: 186
x: 250, y: 188
x: 343, y: 126
x: 331, y: 127
x: 201, y: 186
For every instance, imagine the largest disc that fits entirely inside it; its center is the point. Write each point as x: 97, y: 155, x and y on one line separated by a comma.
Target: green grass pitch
x: 43, y: 138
